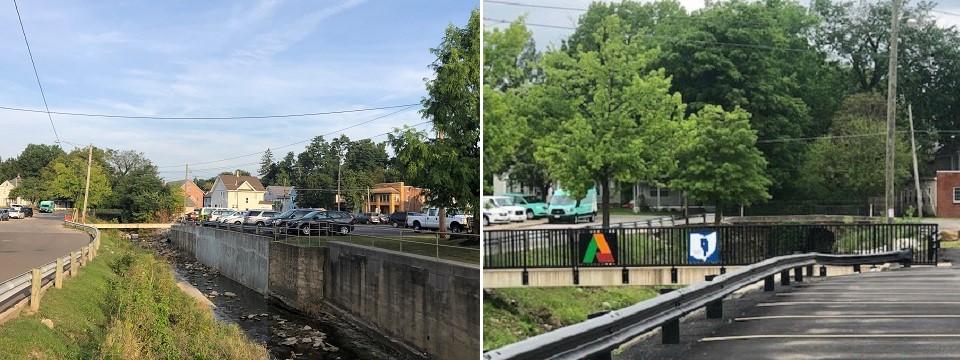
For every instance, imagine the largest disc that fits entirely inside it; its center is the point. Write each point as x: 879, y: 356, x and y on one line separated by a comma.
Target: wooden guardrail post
x: 58, y: 274
x: 74, y: 264
x: 35, y: 291
x: 86, y: 255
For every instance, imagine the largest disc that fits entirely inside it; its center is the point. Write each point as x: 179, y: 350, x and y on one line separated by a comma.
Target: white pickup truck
x: 430, y: 219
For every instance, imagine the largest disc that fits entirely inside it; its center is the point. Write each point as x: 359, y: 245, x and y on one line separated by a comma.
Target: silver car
x: 4, y: 215
x: 258, y: 217
x: 16, y: 213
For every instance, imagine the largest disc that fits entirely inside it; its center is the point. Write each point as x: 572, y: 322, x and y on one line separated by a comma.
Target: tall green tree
x: 448, y: 166
x: 849, y: 165
x: 65, y: 178
x: 720, y: 164
x: 623, y: 121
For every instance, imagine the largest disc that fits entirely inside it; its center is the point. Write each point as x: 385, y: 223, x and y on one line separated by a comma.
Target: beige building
x: 238, y: 193
x: 5, y: 188
x: 387, y: 198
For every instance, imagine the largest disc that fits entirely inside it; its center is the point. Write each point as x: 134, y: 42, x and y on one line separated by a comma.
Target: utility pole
x: 339, y: 168
x: 892, y: 107
x: 916, y: 173
x: 86, y: 191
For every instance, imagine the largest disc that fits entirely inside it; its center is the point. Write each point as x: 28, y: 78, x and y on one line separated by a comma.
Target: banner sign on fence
x: 598, y: 247
x: 704, y: 247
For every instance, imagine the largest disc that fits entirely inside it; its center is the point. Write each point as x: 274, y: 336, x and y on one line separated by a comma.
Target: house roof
x: 385, y: 190
x: 279, y: 190
x: 233, y: 182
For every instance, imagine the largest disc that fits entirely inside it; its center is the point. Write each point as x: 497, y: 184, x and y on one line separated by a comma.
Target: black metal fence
x: 698, y: 245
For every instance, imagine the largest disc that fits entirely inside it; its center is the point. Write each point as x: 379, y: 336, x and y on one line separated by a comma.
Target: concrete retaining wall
x: 429, y: 304
x: 296, y: 276
x: 244, y: 258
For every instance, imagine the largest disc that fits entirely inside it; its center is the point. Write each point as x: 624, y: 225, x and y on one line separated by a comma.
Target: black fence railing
x: 699, y: 244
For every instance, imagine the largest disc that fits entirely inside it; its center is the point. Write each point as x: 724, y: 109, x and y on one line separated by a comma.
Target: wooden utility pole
x: 916, y: 172
x: 891, y: 107
x: 86, y: 191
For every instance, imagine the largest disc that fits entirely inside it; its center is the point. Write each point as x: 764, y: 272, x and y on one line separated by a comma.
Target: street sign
x: 704, y: 247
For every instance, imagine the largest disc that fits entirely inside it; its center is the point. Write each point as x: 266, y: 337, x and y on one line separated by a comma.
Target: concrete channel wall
x: 244, y: 258
x: 431, y: 306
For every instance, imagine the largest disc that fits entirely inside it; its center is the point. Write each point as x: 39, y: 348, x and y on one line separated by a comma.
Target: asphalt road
x: 901, y: 314
x: 33, y: 242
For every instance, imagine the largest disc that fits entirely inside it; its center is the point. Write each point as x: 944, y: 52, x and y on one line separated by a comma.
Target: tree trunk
x: 442, y: 226
x: 718, y: 214
x: 605, y: 187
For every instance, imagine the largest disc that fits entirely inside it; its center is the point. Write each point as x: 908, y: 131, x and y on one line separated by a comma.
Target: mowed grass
x: 124, y: 305
x: 514, y: 314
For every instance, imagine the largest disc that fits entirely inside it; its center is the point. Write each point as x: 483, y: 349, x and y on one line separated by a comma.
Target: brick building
x: 948, y: 193
x: 387, y: 198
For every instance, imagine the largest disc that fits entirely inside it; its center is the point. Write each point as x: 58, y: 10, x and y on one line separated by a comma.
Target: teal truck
x: 46, y: 206
x: 535, y: 208
x: 564, y: 208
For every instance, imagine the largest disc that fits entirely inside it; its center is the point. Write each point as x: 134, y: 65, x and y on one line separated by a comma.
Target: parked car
x: 367, y: 218
x: 535, y: 208
x: 234, y: 218
x: 493, y: 214
x: 284, y: 219
x: 206, y: 212
x: 4, y: 215
x: 399, y: 218
x: 320, y: 222
x: 215, y: 215
x: 454, y: 220
x: 15, y: 213
x: 27, y: 211
x: 505, y: 203
x: 259, y: 218
x: 384, y: 218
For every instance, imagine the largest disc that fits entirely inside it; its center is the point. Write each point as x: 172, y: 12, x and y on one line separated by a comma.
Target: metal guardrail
x: 18, y: 288
x: 661, y: 221
x: 599, y: 336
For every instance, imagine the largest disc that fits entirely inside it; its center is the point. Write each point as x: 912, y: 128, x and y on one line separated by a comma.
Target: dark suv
x: 322, y: 223
x: 282, y: 221
x: 399, y: 218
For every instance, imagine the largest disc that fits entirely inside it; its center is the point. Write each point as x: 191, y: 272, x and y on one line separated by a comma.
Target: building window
x: 956, y: 195
x: 663, y: 193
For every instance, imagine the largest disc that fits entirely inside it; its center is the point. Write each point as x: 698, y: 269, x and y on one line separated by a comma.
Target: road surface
x: 901, y: 314
x: 33, y: 242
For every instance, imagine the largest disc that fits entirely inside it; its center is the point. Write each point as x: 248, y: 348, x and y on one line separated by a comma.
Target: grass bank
x: 510, y: 315
x: 124, y: 305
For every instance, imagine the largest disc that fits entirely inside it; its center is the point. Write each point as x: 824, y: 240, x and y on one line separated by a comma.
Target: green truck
x: 535, y: 208
x: 564, y: 208
x: 46, y: 206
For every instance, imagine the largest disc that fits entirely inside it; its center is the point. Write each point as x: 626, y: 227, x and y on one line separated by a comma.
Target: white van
x: 514, y: 212
x: 205, y: 212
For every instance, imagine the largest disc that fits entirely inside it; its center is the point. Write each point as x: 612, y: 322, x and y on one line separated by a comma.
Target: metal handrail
x: 604, y: 333
x: 20, y: 284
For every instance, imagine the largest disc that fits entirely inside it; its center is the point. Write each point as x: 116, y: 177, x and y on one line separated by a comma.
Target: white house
x: 281, y: 198
x: 238, y: 192
x: 5, y: 188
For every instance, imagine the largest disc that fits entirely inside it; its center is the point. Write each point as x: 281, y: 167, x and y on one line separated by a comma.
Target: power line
x: 945, y: 12
x: 830, y: 137
x: 35, y: 72
x: 294, y: 143
x: 513, y: 3
x: 236, y: 117
x: 721, y: 43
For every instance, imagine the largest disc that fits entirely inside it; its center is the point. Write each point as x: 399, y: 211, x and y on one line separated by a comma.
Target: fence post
x: 74, y: 263
x: 714, y: 308
x: 823, y: 271
x: 670, y: 329
x: 785, y: 277
x: 58, y: 275
x: 798, y: 274
x: 768, y: 283
x: 35, y: 291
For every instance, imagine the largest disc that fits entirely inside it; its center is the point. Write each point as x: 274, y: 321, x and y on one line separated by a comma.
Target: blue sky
x: 214, y: 58
x: 547, y: 37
